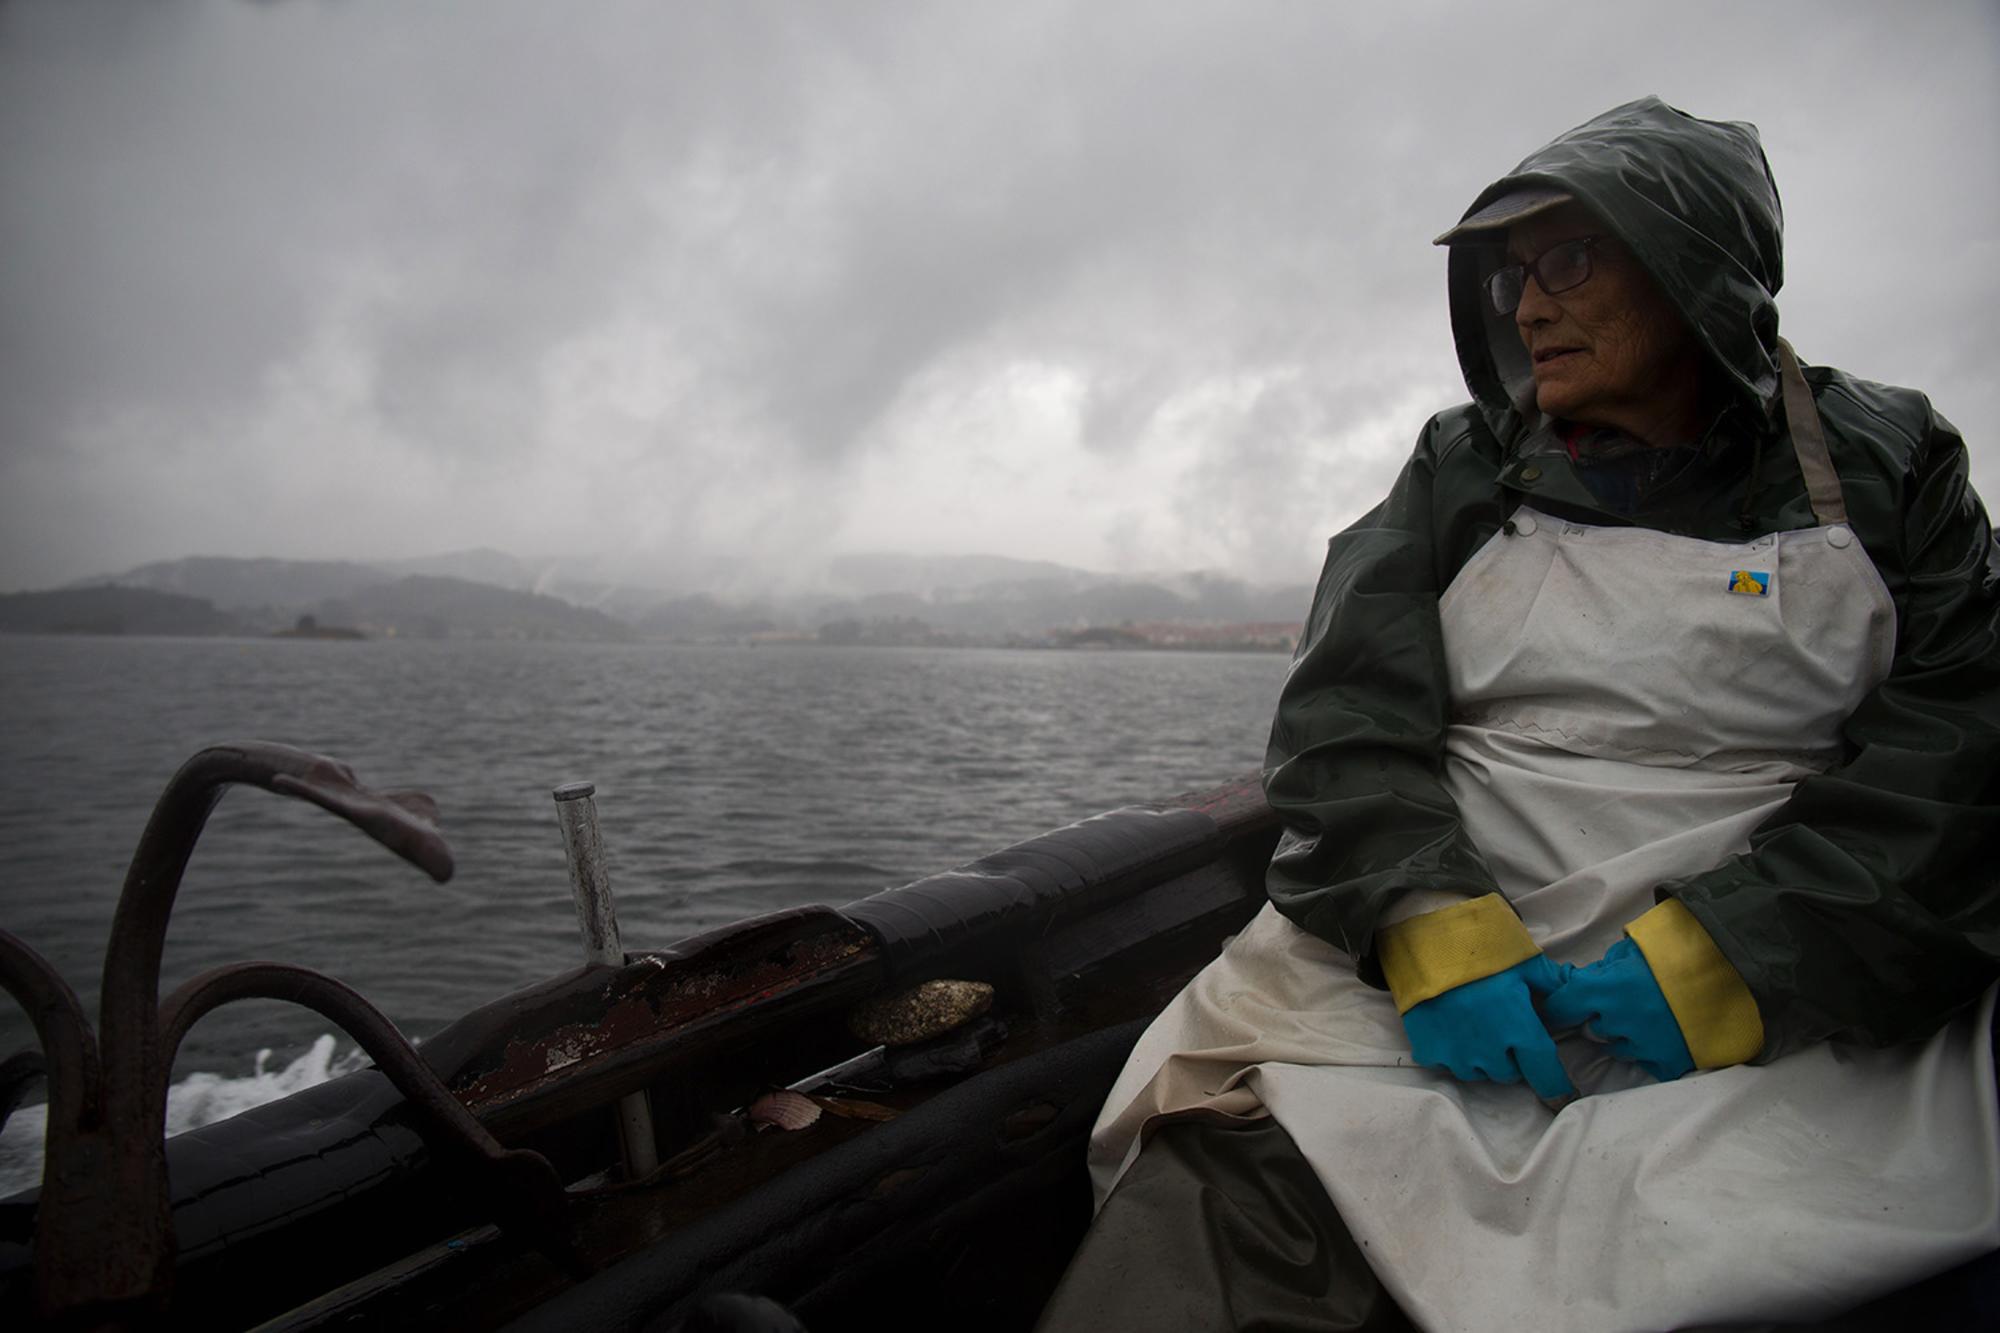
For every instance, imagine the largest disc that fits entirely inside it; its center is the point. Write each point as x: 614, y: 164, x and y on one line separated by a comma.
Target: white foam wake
x: 197, y: 1100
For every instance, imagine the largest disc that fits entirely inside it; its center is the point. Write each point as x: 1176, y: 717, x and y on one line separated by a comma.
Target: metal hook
x: 520, y: 1187
x: 104, y: 1239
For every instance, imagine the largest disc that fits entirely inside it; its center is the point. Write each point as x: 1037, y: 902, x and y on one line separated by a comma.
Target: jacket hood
x: 1692, y: 199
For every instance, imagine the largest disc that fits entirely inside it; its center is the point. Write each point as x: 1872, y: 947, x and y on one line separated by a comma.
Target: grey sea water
x: 730, y: 781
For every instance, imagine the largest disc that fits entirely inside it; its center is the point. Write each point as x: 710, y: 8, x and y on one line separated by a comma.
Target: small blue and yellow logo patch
x: 1750, y: 582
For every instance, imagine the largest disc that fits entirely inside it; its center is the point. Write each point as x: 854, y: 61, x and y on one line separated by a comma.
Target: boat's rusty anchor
x: 104, y: 1240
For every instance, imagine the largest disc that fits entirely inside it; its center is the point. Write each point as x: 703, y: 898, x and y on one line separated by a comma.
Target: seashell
x: 785, y: 1109
x: 920, y: 1013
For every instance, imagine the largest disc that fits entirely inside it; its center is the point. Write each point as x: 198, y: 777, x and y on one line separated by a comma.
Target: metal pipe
x: 597, y: 921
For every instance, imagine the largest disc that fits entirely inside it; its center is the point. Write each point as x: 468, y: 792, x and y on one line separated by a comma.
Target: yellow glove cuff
x: 1716, y: 1011
x: 1428, y: 955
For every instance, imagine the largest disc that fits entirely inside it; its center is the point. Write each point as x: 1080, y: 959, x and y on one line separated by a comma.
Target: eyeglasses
x: 1556, y: 269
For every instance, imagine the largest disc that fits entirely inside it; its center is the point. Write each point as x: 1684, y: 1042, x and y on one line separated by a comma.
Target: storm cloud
x: 700, y: 293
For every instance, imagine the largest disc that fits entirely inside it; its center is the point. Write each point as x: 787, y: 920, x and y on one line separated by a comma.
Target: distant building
x: 1278, y: 636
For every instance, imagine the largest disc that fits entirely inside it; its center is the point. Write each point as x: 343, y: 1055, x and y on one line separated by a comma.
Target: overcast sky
x: 699, y: 288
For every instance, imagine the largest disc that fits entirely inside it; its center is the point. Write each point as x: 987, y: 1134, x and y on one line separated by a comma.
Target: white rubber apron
x: 1628, y: 706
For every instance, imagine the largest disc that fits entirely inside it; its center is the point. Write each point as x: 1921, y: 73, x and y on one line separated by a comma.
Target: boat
x: 873, y: 1114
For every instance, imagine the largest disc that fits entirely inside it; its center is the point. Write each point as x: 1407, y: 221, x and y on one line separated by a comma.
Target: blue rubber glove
x: 1621, y: 1002
x: 1488, y: 1029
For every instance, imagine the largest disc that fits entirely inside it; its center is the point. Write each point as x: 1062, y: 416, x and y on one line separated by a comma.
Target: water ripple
x: 729, y: 781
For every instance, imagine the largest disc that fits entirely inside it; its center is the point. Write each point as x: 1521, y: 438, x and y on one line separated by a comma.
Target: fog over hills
x: 491, y: 594
x: 431, y: 606
x: 212, y: 597
x: 246, y: 585
x: 883, y: 572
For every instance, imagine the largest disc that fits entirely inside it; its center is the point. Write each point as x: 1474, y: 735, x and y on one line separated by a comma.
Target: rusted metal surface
x: 620, y: 1026
x: 519, y: 1188
x: 69, y: 1052
x: 74, y: 1188
x: 660, y: 1007
x: 104, y: 1243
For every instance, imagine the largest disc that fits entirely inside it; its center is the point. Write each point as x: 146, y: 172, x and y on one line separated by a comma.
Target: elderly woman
x: 1634, y: 925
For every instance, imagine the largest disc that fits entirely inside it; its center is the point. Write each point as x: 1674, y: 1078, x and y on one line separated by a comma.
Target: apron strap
x: 1809, y: 441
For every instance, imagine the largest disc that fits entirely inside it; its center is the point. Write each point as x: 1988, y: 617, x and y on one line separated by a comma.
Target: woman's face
x: 1611, y: 351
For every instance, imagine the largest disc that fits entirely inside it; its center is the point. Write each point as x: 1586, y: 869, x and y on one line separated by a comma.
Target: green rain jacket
x: 1868, y: 906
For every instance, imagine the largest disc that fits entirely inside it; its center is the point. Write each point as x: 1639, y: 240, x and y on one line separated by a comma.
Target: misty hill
x: 110, y: 610
x: 271, y: 594
x: 1033, y: 603
x: 279, y: 587
x: 879, y: 572
x: 970, y: 598
x: 480, y: 565
x: 423, y: 606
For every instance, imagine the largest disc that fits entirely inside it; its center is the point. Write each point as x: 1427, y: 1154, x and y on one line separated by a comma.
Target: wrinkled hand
x: 1620, y: 1002
x: 1488, y: 1029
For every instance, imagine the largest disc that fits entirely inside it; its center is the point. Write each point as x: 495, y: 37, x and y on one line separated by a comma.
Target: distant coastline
x: 112, y: 610
x: 874, y: 601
